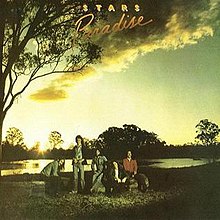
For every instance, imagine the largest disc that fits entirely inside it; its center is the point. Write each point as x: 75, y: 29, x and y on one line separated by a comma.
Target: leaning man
x: 50, y: 175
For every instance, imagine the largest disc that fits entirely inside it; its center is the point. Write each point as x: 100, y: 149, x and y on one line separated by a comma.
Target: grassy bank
x: 189, y: 193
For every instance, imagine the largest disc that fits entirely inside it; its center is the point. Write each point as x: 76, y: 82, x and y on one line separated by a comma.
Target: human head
x: 79, y: 140
x: 129, y: 154
x: 97, y: 152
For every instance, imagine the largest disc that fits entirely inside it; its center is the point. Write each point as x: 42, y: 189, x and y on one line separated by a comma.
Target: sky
x: 163, y: 77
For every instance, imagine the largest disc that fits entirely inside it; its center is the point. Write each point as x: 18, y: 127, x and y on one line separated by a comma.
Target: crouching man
x: 51, y: 175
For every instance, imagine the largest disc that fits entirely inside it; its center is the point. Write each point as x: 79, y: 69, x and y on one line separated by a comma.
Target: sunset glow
x: 163, y: 77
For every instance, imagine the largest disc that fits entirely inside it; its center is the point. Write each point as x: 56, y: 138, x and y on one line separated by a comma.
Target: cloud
x: 57, y: 89
x: 49, y: 93
x: 176, y: 23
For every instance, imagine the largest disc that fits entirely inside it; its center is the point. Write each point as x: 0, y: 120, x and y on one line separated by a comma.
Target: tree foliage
x: 116, y: 141
x: 13, y: 146
x: 14, y: 137
x: 90, y: 143
x: 207, y: 132
x: 55, y: 139
x: 38, y: 38
x: 39, y: 34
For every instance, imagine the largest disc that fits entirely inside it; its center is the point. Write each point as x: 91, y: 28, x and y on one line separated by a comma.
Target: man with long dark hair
x: 77, y: 162
x: 98, y: 166
x: 50, y: 174
x: 130, y: 165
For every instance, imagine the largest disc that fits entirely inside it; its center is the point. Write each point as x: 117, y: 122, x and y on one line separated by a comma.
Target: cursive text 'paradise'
x: 122, y: 24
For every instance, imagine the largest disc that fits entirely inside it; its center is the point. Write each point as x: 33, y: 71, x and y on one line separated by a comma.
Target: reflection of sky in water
x: 35, y: 166
x: 177, y: 162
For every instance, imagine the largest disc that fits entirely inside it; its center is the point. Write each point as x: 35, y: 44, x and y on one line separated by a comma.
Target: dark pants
x: 52, y: 184
x: 143, y: 181
x: 112, y: 186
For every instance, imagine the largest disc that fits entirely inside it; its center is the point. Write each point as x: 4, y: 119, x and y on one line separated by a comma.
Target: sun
x: 42, y: 148
x: 39, y: 146
x: 37, y: 140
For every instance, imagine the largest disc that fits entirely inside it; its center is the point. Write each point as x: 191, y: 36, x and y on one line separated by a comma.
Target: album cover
x: 117, y: 101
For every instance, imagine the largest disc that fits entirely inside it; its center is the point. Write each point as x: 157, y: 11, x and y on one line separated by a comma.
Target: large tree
x: 55, y: 139
x: 13, y: 146
x: 37, y: 39
x: 207, y: 133
x: 14, y: 137
x: 117, y: 141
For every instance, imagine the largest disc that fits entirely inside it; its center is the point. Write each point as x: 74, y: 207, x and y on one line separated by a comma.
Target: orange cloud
x: 58, y: 88
x: 50, y: 93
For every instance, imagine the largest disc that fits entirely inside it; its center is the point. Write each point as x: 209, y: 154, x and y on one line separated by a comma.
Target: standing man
x: 78, y: 168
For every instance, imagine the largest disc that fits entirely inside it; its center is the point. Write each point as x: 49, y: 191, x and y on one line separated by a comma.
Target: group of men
x: 107, y: 176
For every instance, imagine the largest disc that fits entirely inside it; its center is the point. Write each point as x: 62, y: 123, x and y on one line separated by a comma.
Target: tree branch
x: 17, y: 49
x: 21, y: 91
x: 62, y: 71
x: 10, y: 88
x: 2, y: 28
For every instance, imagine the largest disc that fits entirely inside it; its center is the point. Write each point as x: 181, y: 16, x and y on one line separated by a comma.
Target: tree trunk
x: 1, y: 120
x: 1, y: 127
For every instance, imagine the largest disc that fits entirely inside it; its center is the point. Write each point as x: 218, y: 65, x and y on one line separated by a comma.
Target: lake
x: 35, y: 166
x: 176, y: 162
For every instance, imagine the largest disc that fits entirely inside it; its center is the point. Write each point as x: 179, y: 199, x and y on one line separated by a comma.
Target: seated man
x: 50, y: 175
x: 130, y: 167
x: 115, y: 178
x: 98, y: 166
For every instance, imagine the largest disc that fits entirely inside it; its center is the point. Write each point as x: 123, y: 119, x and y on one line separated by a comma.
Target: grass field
x: 189, y: 193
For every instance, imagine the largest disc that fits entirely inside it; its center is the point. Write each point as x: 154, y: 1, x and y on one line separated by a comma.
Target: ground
x: 190, y: 193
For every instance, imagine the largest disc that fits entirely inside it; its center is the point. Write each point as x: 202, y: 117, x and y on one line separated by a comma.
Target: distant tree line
x: 116, y: 141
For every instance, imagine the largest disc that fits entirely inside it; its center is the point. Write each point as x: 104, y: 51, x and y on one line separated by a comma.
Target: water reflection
x: 35, y: 166
x: 177, y: 162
